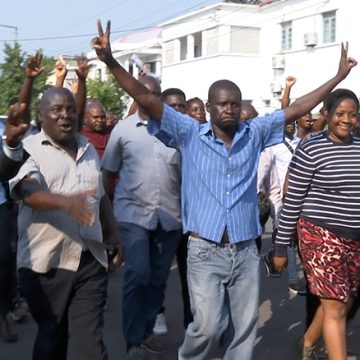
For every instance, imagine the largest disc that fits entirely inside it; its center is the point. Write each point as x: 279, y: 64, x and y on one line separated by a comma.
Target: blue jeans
x: 292, y: 267
x: 148, y: 257
x: 224, y: 294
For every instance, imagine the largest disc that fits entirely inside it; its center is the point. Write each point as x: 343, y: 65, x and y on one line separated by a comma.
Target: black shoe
x: 151, y: 344
x: 7, y: 331
x: 20, y: 311
x: 269, y: 266
x: 135, y: 353
x: 298, y: 288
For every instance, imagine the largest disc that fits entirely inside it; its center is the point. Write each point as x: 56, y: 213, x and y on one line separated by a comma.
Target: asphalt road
x: 281, y: 322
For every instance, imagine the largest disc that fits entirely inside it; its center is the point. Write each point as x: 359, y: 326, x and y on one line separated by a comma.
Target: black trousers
x: 7, y: 259
x: 63, y: 301
x: 181, y: 257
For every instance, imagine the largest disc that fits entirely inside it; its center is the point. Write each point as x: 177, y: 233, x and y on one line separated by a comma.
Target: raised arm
x: 82, y: 72
x: 19, y: 115
x: 320, y: 123
x: 149, y: 102
x: 307, y: 102
x: 12, y: 156
x: 289, y: 83
x: 32, y: 70
x: 60, y: 72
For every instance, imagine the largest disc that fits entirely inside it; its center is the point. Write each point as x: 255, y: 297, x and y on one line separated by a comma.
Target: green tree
x: 109, y: 94
x: 12, y: 72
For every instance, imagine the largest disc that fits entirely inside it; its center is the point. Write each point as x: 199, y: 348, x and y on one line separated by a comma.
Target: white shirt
x: 268, y: 183
x: 283, y: 157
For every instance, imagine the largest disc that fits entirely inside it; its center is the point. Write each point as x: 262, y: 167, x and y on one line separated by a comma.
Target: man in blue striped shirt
x: 219, y: 201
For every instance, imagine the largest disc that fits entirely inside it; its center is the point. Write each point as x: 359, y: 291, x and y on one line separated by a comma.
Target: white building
x: 256, y: 46
x: 145, y: 44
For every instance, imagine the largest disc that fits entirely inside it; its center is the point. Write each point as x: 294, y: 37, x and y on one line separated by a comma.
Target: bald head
x: 49, y: 94
x: 95, y: 116
x: 247, y: 111
x: 151, y: 84
x: 58, y: 116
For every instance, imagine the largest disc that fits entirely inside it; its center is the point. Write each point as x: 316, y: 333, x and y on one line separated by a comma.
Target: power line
x: 78, y: 36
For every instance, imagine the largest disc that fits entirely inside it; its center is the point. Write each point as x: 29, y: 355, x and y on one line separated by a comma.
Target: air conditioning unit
x: 276, y: 88
x: 278, y: 62
x: 310, y: 39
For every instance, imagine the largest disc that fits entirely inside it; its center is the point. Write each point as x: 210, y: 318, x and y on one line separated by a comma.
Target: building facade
x: 256, y: 44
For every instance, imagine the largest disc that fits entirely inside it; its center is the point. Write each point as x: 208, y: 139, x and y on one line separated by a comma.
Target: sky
x: 42, y: 24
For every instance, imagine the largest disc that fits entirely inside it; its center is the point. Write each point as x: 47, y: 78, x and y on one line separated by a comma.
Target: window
x: 183, y: 48
x: 197, y: 45
x: 150, y: 66
x: 131, y: 69
x: 329, y: 27
x: 286, y: 36
x: 212, y: 41
x: 169, y: 52
x: 244, y: 40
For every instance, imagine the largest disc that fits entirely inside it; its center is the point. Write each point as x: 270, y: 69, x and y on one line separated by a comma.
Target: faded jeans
x: 224, y: 294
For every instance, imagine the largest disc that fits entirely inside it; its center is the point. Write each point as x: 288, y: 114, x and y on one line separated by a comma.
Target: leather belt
x: 222, y: 244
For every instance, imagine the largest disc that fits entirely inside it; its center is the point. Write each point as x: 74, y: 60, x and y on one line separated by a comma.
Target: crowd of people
x: 92, y: 194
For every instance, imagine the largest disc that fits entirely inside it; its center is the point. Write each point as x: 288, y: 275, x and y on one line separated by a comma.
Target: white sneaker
x: 160, y: 327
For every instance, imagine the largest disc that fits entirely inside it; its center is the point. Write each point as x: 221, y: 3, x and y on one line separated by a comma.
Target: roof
x: 141, y: 36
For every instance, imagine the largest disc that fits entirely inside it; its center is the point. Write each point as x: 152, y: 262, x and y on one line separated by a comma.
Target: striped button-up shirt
x: 219, y: 184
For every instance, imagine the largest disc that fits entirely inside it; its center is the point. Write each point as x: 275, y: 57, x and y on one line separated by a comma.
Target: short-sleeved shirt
x: 148, y: 190
x: 219, y: 184
x: 53, y: 239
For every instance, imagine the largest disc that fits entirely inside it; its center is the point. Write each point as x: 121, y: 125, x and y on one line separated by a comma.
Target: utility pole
x: 15, y: 28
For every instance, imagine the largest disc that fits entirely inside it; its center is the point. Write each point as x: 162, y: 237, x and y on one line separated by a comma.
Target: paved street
x: 281, y: 323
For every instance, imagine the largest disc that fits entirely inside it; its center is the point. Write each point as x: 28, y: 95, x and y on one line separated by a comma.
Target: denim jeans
x: 292, y: 267
x: 224, y: 294
x: 148, y: 257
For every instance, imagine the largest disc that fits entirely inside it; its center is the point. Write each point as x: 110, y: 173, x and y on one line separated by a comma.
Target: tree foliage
x: 12, y: 72
x: 109, y: 94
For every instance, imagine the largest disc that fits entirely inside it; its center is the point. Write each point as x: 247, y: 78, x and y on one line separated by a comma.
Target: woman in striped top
x: 323, y: 202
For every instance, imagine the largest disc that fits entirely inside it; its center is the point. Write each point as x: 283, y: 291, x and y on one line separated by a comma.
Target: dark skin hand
x: 152, y: 105
x: 33, y: 70
x: 82, y: 71
x: 60, y: 72
x: 77, y: 205
x: 111, y: 234
x: 306, y: 103
x: 18, y: 115
x: 17, y: 124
